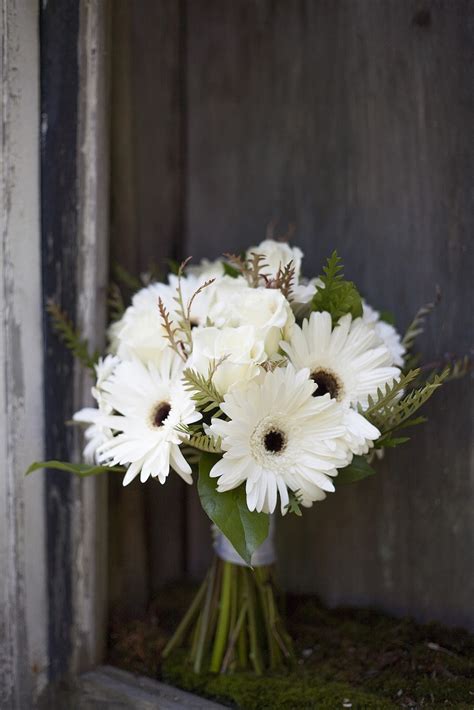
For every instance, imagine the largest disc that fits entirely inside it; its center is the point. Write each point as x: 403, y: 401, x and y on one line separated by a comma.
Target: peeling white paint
x: 90, y: 496
x: 23, y: 601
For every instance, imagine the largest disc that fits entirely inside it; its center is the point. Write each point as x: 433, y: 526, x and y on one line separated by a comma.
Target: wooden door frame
x: 54, y: 225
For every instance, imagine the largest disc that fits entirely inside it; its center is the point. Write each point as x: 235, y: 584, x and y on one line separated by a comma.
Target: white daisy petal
x: 149, y: 404
x: 287, y: 439
x: 349, y: 363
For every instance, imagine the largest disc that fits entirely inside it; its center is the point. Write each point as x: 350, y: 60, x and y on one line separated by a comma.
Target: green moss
x: 271, y: 692
x: 363, y: 657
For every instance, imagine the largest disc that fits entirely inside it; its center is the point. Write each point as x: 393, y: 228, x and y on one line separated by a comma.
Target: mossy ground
x: 347, y: 658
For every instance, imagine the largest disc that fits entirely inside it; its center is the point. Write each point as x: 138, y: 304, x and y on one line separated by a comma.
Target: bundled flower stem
x: 234, y: 623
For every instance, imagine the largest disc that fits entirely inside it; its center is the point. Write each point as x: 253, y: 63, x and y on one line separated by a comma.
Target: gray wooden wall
x: 353, y: 120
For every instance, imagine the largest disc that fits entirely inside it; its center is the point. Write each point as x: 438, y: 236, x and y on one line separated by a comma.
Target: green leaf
x: 338, y: 296
x: 173, y: 266
x: 392, y: 441
x: 356, y: 471
x: 387, y: 317
x: 126, y: 278
x: 244, y: 529
x: 79, y: 469
x: 294, y: 503
x: 230, y: 270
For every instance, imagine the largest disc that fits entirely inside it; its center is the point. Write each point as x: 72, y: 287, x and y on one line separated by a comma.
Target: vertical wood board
x: 146, y: 544
x: 23, y: 601
x: 353, y: 120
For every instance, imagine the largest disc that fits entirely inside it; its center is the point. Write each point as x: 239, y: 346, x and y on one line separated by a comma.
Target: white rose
x: 140, y: 333
x: 240, y: 351
x: 264, y: 308
x: 278, y: 254
x: 206, y: 269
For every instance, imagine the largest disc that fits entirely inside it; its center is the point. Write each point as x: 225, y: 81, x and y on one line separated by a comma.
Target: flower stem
x: 204, y: 621
x: 223, y: 621
x: 186, y: 621
x: 255, y: 652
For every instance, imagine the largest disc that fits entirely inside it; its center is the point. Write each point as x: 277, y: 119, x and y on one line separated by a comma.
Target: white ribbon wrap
x: 264, y: 555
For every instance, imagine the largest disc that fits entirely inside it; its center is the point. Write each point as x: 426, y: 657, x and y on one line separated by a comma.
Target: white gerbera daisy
x: 149, y: 402
x: 348, y: 362
x: 386, y: 332
x: 280, y: 437
x: 97, y: 433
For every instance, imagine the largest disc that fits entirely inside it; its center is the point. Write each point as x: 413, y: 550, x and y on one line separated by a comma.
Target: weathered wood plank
x: 353, y: 120
x: 23, y: 601
x: 59, y: 26
x: 146, y: 228
x: 90, y: 496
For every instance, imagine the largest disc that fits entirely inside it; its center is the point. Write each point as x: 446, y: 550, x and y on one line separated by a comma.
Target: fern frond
x: 184, y: 323
x: 401, y: 414
x: 255, y: 265
x: 203, y: 390
x: 171, y: 330
x: 461, y: 367
x: 283, y: 280
x: 237, y: 264
x: 205, y: 443
x: 338, y: 296
x: 71, y: 337
x: 417, y: 325
x: 251, y: 268
x: 381, y: 405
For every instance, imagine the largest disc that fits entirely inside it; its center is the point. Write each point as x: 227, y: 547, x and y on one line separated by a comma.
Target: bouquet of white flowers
x: 276, y: 388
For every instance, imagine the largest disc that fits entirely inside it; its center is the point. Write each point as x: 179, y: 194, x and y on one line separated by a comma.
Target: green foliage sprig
x: 294, y: 503
x: 115, y: 302
x: 204, y: 392
x: 205, y: 443
x: 71, y: 337
x: 338, y: 296
x: 417, y: 325
x: 392, y: 411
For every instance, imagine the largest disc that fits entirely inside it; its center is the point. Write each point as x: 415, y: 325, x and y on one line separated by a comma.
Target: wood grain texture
x: 89, y: 515
x: 146, y: 545
x: 353, y: 119
x: 59, y: 27
x: 23, y: 598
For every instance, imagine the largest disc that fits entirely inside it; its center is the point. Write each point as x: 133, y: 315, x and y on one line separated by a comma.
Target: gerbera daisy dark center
x: 274, y: 441
x: 327, y: 384
x: 160, y: 413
